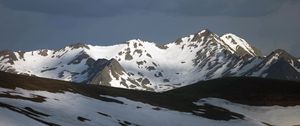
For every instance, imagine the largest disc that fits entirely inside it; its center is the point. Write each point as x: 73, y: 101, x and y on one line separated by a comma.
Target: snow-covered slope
x: 77, y: 63
x: 143, y: 65
x: 70, y: 109
x: 67, y: 64
x: 239, y: 45
x: 268, y: 115
x: 38, y: 101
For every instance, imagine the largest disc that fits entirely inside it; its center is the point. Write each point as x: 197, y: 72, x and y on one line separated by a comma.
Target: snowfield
x: 71, y: 109
x: 274, y: 115
x: 257, y: 102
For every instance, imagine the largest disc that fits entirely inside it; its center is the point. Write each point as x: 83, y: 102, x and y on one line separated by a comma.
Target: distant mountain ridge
x: 144, y: 65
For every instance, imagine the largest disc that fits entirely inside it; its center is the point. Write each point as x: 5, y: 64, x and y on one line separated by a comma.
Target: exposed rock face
x: 110, y: 73
x: 79, y: 45
x: 100, y: 73
x: 257, y: 51
x: 78, y: 59
x: 203, y: 35
x: 102, y: 69
x: 128, y: 55
x: 9, y: 56
x: 162, y: 46
x: 282, y: 70
x: 44, y: 52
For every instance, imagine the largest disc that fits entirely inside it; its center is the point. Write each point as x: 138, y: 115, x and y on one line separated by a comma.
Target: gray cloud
x: 77, y: 8
x: 108, y: 8
x: 36, y: 24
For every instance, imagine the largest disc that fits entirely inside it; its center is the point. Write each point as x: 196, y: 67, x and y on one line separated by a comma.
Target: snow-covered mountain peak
x: 278, y: 65
x: 239, y: 45
x: 229, y: 42
x: 205, y: 32
x: 202, y: 39
x: 281, y: 54
x: 136, y: 43
x: 204, y: 35
x: 280, y: 51
x: 71, y: 49
x: 135, y: 40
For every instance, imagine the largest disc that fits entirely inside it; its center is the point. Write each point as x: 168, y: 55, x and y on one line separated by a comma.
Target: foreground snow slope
x: 273, y: 115
x: 37, y: 101
x: 69, y: 109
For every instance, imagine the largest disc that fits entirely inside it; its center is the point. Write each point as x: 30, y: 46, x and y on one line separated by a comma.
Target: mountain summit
x: 144, y: 65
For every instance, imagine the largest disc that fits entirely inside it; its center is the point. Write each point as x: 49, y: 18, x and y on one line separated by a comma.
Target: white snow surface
x: 234, y: 42
x: 65, y: 108
x: 11, y: 118
x: 273, y: 115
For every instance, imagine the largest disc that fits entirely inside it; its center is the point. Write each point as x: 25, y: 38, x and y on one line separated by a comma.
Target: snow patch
x: 65, y: 108
x: 274, y: 115
x: 234, y: 42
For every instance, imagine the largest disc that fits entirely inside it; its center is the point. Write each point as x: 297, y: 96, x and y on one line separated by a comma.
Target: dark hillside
x: 252, y: 91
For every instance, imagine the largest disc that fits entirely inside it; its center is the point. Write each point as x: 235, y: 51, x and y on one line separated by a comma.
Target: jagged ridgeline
x: 144, y: 65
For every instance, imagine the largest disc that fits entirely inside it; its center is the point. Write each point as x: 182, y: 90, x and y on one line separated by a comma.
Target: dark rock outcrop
x: 8, y: 55
x: 99, y: 73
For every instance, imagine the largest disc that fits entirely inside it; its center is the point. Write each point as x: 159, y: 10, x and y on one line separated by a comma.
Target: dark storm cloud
x: 107, y: 8
x: 244, y: 8
x: 80, y: 8
x: 35, y: 24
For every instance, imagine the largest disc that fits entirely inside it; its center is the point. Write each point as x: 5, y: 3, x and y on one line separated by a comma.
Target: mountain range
x: 144, y: 65
x: 201, y: 79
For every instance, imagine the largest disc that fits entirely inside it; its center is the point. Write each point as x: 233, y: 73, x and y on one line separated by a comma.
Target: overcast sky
x: 34, y: 24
